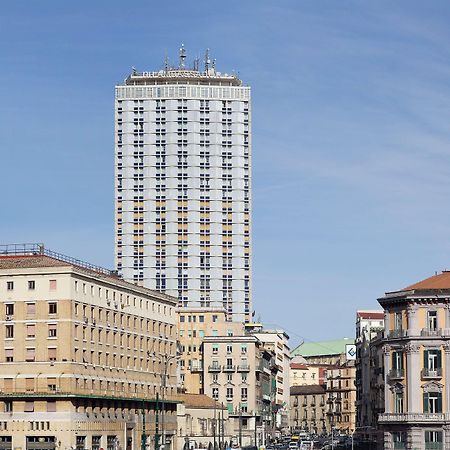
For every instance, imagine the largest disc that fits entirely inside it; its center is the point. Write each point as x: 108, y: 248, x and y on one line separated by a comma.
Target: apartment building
x: 329, y: 353
x: 308, y: 409
x: 341, y: 397
x: 417, y: 365
x: 240, y: 373
x: 84, y: 355
x: 369, y: 374
x: 277, y: 341
x: 183, y: 185
x: 301, y: 373
x: 194, y: 324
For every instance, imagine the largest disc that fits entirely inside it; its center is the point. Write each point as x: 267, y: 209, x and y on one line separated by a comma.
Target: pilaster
x: 414, y: 399
x: 387, y: 390
x: 415, y: 439
x: 411, y: 314
x: 446, y: 348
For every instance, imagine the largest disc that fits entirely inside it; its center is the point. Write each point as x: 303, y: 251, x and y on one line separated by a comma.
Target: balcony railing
x: 228, y: 368
x: 411, y: 417
x: 432, y: 373
x: 214, y: 368
x: 197, y: 368
x: 396, y: 374
x: 243, y: 368
x: 396, y: 334
x: 431, y: 333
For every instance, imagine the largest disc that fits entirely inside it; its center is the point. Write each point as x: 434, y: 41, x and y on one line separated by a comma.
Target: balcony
x: 411, y: 417
x: 396, y: 374
x: 395, y: 334
x: 214, y: 368
x: 197, y: 367
x: 428, y: 374
x: 243, y: 368
x: 426, y: 332
x: 228, y: 368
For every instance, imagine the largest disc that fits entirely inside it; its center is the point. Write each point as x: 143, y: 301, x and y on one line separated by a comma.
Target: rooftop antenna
x: 196, y: 63
x: 182, y: 57
x: 214, y: 64
x: 166, y: 63
x: 207, y: 61
x: 133, y: 69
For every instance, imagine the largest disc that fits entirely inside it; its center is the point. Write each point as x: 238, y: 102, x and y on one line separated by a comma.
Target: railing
x: 243, y: 368
x: 434, y: 446
x: 396, y: 374
x: 431, y: 333
x: 396, y: 333
x: 214, y: 368
x: 228, y: 368
x: 411, y: 417
x: 197, y: 368
x: 432, y: 373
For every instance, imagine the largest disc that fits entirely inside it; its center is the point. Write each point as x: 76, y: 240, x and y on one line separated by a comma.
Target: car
x: 293, y: 445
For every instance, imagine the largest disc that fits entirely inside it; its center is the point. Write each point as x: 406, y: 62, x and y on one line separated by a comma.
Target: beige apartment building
x: 239, y: 372
x: 194, y: 324
x: 417, y: 366
x: 84, y: 356
x: 341, y: 397
x: 308, y: 409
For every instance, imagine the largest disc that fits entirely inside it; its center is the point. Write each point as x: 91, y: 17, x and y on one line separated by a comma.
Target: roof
x: 307, y: 389
x: 198, y: 401
x: 440, y: 281
x: 370, y: 315
x: 36, y: 261
x: 298, y: 366
x: 324, y: 348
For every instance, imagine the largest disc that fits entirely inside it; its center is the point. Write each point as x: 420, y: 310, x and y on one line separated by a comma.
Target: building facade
x: 84, y: 355
x: 369, y: 374
x: 183, y: 185
x: 341, y: 398
x: 240, y: 374
x: 194, y: 324
x: 308, y: 409
x: 417, y: 365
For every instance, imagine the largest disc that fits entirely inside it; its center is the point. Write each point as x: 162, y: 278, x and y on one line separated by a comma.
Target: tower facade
x: 183, y: 185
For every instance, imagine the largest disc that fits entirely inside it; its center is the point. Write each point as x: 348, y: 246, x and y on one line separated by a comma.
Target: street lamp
x: 165, y: 360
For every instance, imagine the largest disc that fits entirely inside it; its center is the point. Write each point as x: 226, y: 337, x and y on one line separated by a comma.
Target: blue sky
x: 351, y: 121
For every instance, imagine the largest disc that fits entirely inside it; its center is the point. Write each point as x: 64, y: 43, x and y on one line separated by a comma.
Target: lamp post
x: 165, y: 360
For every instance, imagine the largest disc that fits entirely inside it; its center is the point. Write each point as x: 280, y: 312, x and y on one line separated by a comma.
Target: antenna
x: 214, y: 64
x: 207, y: 61
x: 133, y: 69
x: 182, y: 57
x: 196, y: 63
x: 166, y: 63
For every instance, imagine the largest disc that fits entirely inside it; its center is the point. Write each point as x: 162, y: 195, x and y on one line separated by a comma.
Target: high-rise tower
x: 183, y: 185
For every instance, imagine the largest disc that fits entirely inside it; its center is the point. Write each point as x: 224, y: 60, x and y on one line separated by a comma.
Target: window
x: 229, y: 377
x: 9, y: 331
x: 433, y: 440
x: 432, y: 360
x: 201, y: 334
x: 398, y: 402
x: 52, y: 285
x: 52, y: 308
x: 215, y: 349
x: 10, y: 285
x: 52, y: 330
x: 9, y: 309
x: 243, y: 378
x: 432, y: 402
x: 244, y: 348
x: 52, y: 354
x: 29, y: 407
x: 31, y: 331
x: 9, y: 355
x: 8, y: 406
x: 51, y: 406
x: 201, y: 319
x: 244, y: 393
x: 31, y: 309
x: 398, y: 321
x: 229, y: 393
x: 31, y: 285
x: 397, y: 360
x: 432, y: 320
x: 215, y: 393
x: 229, y: 349
x: 181, y: 319
x: 215, y: 377
x: 30, y: 355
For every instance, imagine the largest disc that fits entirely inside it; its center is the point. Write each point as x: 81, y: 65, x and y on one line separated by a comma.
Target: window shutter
x: 439, y: 403
x: 439, y: 359
x: 425, y: 359
x: 425, y: 402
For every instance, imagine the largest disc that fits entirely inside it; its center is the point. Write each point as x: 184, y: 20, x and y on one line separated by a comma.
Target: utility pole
x: 240, y: 426
x: 214, y: 427
x: 157, y: 423
x: 256, y: 443
x: 144, y: 436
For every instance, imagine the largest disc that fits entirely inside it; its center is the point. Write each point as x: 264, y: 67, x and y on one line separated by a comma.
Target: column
x: 414, y: 393
x: 387, y: 391
x: 411, y: 313
x: 446, y: 365
x: 386, y: 322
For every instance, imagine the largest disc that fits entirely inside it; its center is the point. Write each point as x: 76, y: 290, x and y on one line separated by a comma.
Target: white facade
x: 183, y: 186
